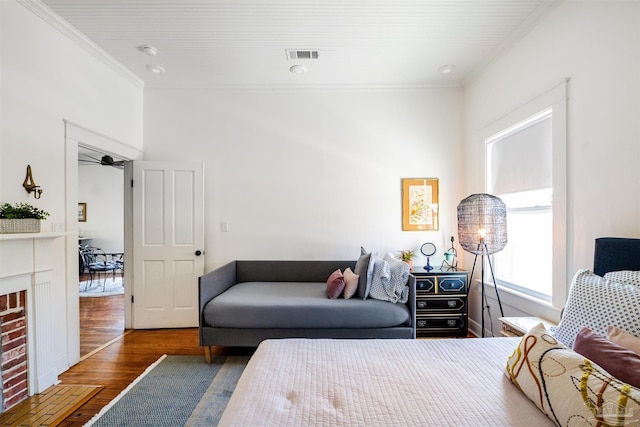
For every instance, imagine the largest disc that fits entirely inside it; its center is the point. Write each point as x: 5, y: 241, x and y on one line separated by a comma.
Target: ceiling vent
x: 301, y: 54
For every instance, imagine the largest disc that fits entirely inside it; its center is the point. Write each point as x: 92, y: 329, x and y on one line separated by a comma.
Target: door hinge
x: 131, y: 183
x: 131, y: 299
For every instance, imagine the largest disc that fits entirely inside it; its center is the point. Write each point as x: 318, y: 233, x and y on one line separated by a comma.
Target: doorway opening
x: 76, y: 138
x: 100, y: 249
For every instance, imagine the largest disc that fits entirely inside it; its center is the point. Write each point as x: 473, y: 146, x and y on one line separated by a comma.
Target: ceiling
x: 360, y: 43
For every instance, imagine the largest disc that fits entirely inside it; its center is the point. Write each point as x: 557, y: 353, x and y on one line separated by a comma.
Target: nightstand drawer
x: 426, y: 284
x: 447, y: 303
x: 453, y: 284
x: 441, y: 323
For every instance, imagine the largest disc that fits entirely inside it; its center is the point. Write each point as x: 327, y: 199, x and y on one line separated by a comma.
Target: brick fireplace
x: 26, y: 316
x: 15, y: 382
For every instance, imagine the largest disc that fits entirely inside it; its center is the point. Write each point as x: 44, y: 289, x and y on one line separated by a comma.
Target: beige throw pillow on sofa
x: 350, y: 283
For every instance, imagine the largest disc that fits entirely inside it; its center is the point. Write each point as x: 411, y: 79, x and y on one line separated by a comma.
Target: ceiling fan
x: 105, y: 160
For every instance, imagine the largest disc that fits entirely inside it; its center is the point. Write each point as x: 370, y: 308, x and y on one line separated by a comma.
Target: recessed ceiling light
x: 447, y: 69
x: 155, y: 68
x: 148, y: 50
x: 298, y: 69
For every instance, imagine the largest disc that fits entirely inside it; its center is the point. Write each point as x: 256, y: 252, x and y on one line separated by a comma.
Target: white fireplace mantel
x: 26, y: 264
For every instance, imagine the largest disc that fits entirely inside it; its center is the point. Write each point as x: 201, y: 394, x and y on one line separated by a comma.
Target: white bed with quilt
x: 536, y: 380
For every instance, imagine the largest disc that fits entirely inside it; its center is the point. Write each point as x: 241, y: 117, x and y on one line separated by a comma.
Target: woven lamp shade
x: 482, y: 212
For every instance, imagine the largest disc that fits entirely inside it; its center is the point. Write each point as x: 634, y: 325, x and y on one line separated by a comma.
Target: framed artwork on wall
x: 419, y: 204
x: 82, y: 212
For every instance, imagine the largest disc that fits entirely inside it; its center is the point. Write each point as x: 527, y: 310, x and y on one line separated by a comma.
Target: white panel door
x: 168, y: 244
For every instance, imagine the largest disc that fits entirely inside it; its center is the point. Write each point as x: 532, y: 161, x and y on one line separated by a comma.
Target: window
x: 530, y: 244
x: 526, y: 168
x: 519, y: 172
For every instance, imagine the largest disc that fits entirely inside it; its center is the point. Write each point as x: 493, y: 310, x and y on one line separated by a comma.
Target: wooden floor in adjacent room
x: 101, y: 321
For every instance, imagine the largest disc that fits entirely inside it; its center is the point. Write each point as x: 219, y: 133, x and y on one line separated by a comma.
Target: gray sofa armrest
x: 214, y: 283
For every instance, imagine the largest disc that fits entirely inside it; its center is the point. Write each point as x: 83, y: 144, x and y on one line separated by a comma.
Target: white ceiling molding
x: 49, y: 16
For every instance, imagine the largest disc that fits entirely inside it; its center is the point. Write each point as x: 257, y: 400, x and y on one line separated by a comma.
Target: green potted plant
x: 407, y: 255
x: 20, y: 218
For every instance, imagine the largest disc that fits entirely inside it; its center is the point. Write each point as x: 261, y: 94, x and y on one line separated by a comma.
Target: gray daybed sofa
x: 245, y: 302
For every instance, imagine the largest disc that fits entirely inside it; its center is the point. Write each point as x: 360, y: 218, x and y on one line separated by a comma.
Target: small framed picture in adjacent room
x: 419, y: 204
x: 82, y: 212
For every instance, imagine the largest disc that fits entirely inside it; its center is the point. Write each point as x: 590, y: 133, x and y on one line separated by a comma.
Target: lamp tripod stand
x: 482, y: 251
x: 482, y: 230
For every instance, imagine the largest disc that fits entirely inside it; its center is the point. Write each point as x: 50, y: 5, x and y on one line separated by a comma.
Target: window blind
x: 519, y: 159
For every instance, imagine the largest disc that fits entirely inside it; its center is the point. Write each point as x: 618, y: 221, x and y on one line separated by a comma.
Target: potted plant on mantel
x: 407, y: 255
x: 20, y: 218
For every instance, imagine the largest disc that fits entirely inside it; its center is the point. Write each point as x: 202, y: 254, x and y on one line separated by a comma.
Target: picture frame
x: 82, y: 212
x: 420, y: 204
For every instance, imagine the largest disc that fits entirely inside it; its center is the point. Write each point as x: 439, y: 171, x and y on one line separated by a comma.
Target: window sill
x: 524, y: 305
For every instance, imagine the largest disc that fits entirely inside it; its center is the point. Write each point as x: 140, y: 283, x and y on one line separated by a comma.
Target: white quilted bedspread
x: 447, y: 382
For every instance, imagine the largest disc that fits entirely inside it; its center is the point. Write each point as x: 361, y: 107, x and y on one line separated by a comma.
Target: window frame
x: 555, y: 99
x: 495, y: 144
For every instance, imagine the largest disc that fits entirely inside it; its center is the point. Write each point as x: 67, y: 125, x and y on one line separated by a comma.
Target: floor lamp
x: 482, y: 230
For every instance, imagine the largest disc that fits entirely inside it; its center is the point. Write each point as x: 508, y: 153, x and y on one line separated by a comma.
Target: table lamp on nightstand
x: 482, y: 230
x: 450, y: 261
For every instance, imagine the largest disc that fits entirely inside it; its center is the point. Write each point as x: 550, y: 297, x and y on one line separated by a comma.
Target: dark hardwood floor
x: 116, y: 365
x: 121, y: 362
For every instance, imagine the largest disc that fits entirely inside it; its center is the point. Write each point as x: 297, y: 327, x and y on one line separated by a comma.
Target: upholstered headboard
x: 616, y: 253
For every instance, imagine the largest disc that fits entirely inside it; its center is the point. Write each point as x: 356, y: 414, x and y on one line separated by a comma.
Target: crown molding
x: 318, y: 87
x: 49, y: 16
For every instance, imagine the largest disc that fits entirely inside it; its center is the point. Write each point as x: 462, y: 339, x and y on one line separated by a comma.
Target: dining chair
x: 96, y: 261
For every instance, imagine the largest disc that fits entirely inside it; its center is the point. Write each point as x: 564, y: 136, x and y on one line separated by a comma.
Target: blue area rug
x: 176, y: 391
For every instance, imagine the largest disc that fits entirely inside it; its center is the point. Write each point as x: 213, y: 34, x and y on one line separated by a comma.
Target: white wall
x: 102, y: 189
x: 310, y: 174
x: 596, y: 45
x: 45, y: 78
x: 315, y: 174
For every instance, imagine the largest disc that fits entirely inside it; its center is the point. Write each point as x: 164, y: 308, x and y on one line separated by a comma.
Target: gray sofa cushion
x: 364, y: 269
x: 287, y: 271
x: 298, y: 305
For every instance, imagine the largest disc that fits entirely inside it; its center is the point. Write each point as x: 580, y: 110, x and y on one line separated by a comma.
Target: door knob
x: 198, y: 253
